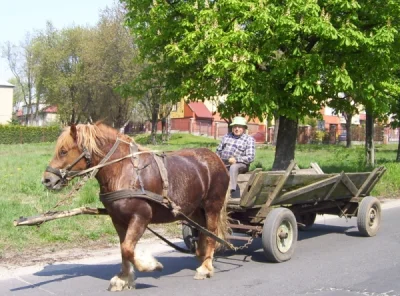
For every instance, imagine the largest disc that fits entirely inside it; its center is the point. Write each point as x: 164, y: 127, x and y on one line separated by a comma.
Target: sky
x: 21, y: 17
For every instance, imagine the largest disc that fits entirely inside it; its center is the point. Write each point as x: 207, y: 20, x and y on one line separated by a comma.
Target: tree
x: 18, y: 95
x: 21, y: 61
x: 83, y: 70
x: 265, y: 56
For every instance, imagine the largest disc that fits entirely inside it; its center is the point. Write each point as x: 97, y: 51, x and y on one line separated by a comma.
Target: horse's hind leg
x: 128, y: 240
x: 206, y: 248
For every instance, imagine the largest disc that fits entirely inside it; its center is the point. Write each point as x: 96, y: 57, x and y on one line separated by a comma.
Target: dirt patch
x: 55, y: 253
x: 46, y: 255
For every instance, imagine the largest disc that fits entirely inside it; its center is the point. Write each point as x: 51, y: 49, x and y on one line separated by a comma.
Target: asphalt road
x: 331, y: 259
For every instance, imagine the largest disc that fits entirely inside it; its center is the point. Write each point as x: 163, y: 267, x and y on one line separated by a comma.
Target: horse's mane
x: 93, y: 136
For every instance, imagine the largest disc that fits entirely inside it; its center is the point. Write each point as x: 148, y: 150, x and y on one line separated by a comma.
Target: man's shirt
x: 242, y: 148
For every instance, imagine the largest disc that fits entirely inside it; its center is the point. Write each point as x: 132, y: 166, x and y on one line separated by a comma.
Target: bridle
x: 66, y: 173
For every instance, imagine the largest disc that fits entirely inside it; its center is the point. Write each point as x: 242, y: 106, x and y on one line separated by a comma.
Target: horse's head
x: 70, y: 157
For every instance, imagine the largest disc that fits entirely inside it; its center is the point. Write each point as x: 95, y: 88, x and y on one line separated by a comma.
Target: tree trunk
x: 276, y: 130
x: 164, y: 130
x: 348, y: 130
x: 398, y: 151
x: 369, y: 139
x: 154, y: 120
x: 286, y: 143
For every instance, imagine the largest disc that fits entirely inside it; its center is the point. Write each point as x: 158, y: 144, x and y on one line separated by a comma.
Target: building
x: 202, y: 118
x: 47, y: 115
x: 6, y: 102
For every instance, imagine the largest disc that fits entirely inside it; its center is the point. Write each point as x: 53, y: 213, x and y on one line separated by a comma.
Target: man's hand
x: 232, y: 160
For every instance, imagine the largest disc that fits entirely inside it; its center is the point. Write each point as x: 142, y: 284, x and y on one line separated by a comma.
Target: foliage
x: 81, y: 70
x: 13, y: 134
x: 311, y: 121
x: 270, y: 57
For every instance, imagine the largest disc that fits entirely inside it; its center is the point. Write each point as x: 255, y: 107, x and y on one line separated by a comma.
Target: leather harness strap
x: 129, y: 193
x: 161, y: 161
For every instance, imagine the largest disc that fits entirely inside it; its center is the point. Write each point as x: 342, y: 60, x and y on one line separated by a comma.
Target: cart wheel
x: 307, y: 220
x: 369, y: 216
x: 190, y: 237
x: 279, y: 235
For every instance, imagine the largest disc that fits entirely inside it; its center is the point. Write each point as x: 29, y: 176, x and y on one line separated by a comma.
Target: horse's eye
x: 63, y: 152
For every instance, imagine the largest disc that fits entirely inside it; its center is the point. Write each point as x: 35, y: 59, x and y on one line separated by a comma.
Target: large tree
x: 284, y: 58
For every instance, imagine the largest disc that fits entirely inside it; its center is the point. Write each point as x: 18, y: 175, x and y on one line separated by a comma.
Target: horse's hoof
x: 121, y: 283
x: 145, y: 262
x: 159, y: 266
x: 203, y: 273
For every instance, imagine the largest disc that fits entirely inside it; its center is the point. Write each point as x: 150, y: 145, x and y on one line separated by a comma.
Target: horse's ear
x: 73, y: 132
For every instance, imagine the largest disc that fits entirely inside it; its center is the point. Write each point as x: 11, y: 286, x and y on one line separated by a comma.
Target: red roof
x: 200, y: 110
x: 50, y: 109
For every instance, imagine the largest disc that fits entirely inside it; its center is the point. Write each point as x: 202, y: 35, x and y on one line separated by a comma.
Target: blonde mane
x: 93, y: 136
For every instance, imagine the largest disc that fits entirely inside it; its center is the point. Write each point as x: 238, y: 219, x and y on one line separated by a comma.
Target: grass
x: 22, y: 194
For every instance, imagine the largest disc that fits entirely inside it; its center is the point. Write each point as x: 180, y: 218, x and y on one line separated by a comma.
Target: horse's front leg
x: 129, y: 236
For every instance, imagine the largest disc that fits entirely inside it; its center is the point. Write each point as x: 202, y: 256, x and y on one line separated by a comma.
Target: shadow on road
x: 173, y: 265
x: 62, y: 272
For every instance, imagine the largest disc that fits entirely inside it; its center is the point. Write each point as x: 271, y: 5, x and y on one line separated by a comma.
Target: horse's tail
x: 223, y: 229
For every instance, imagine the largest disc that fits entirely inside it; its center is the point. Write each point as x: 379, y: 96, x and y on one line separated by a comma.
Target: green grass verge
x: 22, y: 194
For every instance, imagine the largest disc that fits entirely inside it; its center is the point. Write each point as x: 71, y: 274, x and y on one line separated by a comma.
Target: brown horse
x: 194, y: 180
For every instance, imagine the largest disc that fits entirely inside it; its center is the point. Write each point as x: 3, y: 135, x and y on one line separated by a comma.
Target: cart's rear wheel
x: 279, y: 235
x: 307, y: 219
x: 369, y: 216
x: 190, y: 236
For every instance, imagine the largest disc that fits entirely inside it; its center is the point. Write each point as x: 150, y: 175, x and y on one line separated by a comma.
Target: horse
x: 195, y: 181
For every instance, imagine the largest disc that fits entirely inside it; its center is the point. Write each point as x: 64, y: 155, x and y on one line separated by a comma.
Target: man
x: 237, y: 150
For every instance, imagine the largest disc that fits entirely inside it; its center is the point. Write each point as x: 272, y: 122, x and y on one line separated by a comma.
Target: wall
x: 6, y: 100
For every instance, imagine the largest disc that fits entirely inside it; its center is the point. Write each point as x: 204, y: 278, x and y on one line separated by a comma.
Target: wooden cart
x: 274, y: 205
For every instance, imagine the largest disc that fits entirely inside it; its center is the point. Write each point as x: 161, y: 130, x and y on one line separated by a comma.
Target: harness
x: 67, y: 174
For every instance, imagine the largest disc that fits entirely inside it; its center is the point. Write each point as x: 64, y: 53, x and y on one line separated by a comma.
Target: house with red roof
x: 202, y: 118
x: 46, y: 115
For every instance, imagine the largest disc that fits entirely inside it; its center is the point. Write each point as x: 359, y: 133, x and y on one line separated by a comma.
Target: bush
x: 18, y: 134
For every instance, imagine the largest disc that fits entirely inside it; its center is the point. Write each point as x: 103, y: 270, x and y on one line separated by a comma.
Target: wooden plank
x: 349, y: 184
x: 316, y: 167
x: 381, y: 172
x: 295, y: 179
x: 280, y: 184
x: 333, y: 187
x: 375, y: 175
x: 253, y: 175
x: 262, y: 213
x: 243, y: 177
x: 306, y: 189
x: 366, y: 182
x: 249, y: 197
x: 310, y: 171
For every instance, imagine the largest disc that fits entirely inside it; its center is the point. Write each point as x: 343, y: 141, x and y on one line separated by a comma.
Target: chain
x: 245, y: 245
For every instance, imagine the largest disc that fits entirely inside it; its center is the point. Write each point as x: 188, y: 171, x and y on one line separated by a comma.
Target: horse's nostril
x: 46, y: 181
